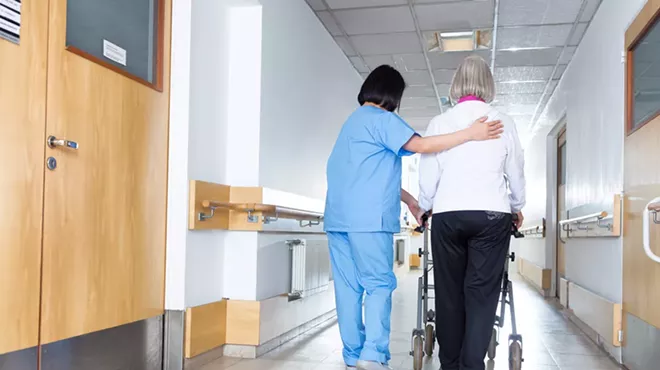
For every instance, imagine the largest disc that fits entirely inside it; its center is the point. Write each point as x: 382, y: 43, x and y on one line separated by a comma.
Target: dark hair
x: 384, y: 86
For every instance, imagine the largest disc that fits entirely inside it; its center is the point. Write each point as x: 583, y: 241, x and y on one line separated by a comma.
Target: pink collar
x: 470, y: 98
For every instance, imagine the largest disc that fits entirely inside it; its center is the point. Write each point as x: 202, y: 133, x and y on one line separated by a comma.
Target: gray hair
x: 473, y: 77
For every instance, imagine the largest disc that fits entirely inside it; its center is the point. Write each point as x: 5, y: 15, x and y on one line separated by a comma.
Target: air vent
x: 459, y: 41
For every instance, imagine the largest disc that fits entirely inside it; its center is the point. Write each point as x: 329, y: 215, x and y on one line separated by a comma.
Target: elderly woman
x: 473, y: 190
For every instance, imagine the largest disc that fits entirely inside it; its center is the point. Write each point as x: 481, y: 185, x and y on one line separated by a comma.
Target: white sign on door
x: 10, y: 20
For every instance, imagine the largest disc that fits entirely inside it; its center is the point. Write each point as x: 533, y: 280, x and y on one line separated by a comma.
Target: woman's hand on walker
x: 482, y: 130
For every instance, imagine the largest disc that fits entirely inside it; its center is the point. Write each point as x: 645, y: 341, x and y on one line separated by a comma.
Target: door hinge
x: 620, y: 336
x: 624, y: 57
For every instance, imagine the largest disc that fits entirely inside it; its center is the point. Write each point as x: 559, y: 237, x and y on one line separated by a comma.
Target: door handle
x: 54, y: 142
x: 652, y: 207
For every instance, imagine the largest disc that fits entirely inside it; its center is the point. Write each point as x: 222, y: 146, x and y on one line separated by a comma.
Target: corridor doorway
x: 561, y: 208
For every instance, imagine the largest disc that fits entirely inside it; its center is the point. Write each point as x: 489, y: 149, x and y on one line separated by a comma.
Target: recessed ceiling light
x: 458, y: 41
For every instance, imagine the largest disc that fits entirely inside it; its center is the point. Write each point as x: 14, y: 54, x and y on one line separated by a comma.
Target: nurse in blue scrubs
x: 363, y: 207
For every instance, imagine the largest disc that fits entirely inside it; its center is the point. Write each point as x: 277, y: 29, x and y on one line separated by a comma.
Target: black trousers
x: 469, y: 250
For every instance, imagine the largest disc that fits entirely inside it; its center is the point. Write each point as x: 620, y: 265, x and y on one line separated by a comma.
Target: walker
x: 423, y: 336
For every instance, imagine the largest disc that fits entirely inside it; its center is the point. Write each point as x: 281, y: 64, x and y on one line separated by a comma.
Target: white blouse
x: 475, y: 176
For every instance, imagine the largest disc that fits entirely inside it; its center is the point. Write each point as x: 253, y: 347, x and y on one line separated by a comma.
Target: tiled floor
x: 550, y: 342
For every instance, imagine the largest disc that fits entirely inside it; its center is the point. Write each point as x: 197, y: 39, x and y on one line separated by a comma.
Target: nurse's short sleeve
x: 393, y: 133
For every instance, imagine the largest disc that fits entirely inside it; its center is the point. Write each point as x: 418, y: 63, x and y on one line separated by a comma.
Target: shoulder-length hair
x: 473, y: 77
x: 384, y: 87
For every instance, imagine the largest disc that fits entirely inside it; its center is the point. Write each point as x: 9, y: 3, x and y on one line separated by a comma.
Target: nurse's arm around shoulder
x: 514, y: 169
x: 478, y: 131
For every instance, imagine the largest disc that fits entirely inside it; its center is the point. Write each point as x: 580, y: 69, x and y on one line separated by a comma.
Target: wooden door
x: 561, y: 205
x: 22, y: 124
x: 105, y: 204
x: 641, y: 275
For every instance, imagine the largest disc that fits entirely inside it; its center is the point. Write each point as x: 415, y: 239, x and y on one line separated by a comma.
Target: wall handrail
x: 654, y: 208
x: 593, y: 217
x: 270, y: 213
x: 565, y: 225
x: 538, y: 230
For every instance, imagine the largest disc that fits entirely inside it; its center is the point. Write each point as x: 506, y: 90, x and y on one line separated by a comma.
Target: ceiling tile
x: 522, y: 73
x: 443, y: 89
x: 345, y: 46
x: 567, y: 55
x: 516, y: 99
x: 410, y: 62
x: 578, y: 34
x: 419, y: 92
x: 590, y: 10
x: 440, y: 1
x: 392, y: 43
x: 520, y: 88
x: 359, y: 65
x: 376, y: 20
x: 375, y: 61
x: 444, y: 76
x: 329, y: 23
x: 451, y: 60
x: 316, y: 4
x: 535, y: 12
x: 455, y: 16
x: 417, y: 78
x: 420, y: 112
x: 344, y: 4
x: 419, y: 103
x: 560, y: 71
x: 528, y: 57
x: 533, y: 36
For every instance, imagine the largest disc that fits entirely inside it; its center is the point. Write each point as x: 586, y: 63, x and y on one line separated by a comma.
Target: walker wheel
x: 429, y: 338
x: 492, y: 346
x: 418, y: 353
x: 515, y: 356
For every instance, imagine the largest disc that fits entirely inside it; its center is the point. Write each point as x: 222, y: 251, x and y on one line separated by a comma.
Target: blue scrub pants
x: 363, y: 263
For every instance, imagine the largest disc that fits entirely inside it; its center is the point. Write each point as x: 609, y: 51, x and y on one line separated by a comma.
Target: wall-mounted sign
x: 122, y: 35
x: 10, y: 20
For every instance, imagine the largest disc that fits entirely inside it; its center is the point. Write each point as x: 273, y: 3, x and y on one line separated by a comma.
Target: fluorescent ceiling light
x: 456, y: 34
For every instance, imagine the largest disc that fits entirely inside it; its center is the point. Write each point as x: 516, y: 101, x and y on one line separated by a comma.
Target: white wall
x: 177, y: 183
x: 591, y: 94
x: 220, y: 134
x: 224, y: 98
x: 308, y: 90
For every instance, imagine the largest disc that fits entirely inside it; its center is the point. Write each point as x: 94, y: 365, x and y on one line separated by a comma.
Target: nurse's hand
x: 482, y: 130
x: 413, y: 206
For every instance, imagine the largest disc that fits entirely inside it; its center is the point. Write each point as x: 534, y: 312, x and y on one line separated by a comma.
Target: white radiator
x: 310, y: 267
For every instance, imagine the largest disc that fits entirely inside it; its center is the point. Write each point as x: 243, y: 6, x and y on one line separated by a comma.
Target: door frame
x: 552, y: 205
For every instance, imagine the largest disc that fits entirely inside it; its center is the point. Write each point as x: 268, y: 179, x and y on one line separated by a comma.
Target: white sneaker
x: 369, y: 365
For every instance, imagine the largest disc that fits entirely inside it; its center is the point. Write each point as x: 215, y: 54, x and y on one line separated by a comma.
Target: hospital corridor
x: 330, y: 184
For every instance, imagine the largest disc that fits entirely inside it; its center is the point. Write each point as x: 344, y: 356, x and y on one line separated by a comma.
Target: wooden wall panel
x: 224, y: 219
x: 206, y: 328
x: 540, y: 277
x: 243, y: 322
x: 600, y: 314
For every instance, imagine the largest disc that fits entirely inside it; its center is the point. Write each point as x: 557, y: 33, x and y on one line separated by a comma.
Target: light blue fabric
x: 364, y: 173
x: 362, y: 263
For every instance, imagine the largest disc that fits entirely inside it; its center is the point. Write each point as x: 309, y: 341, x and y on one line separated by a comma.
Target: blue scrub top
x: 364, y: 173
